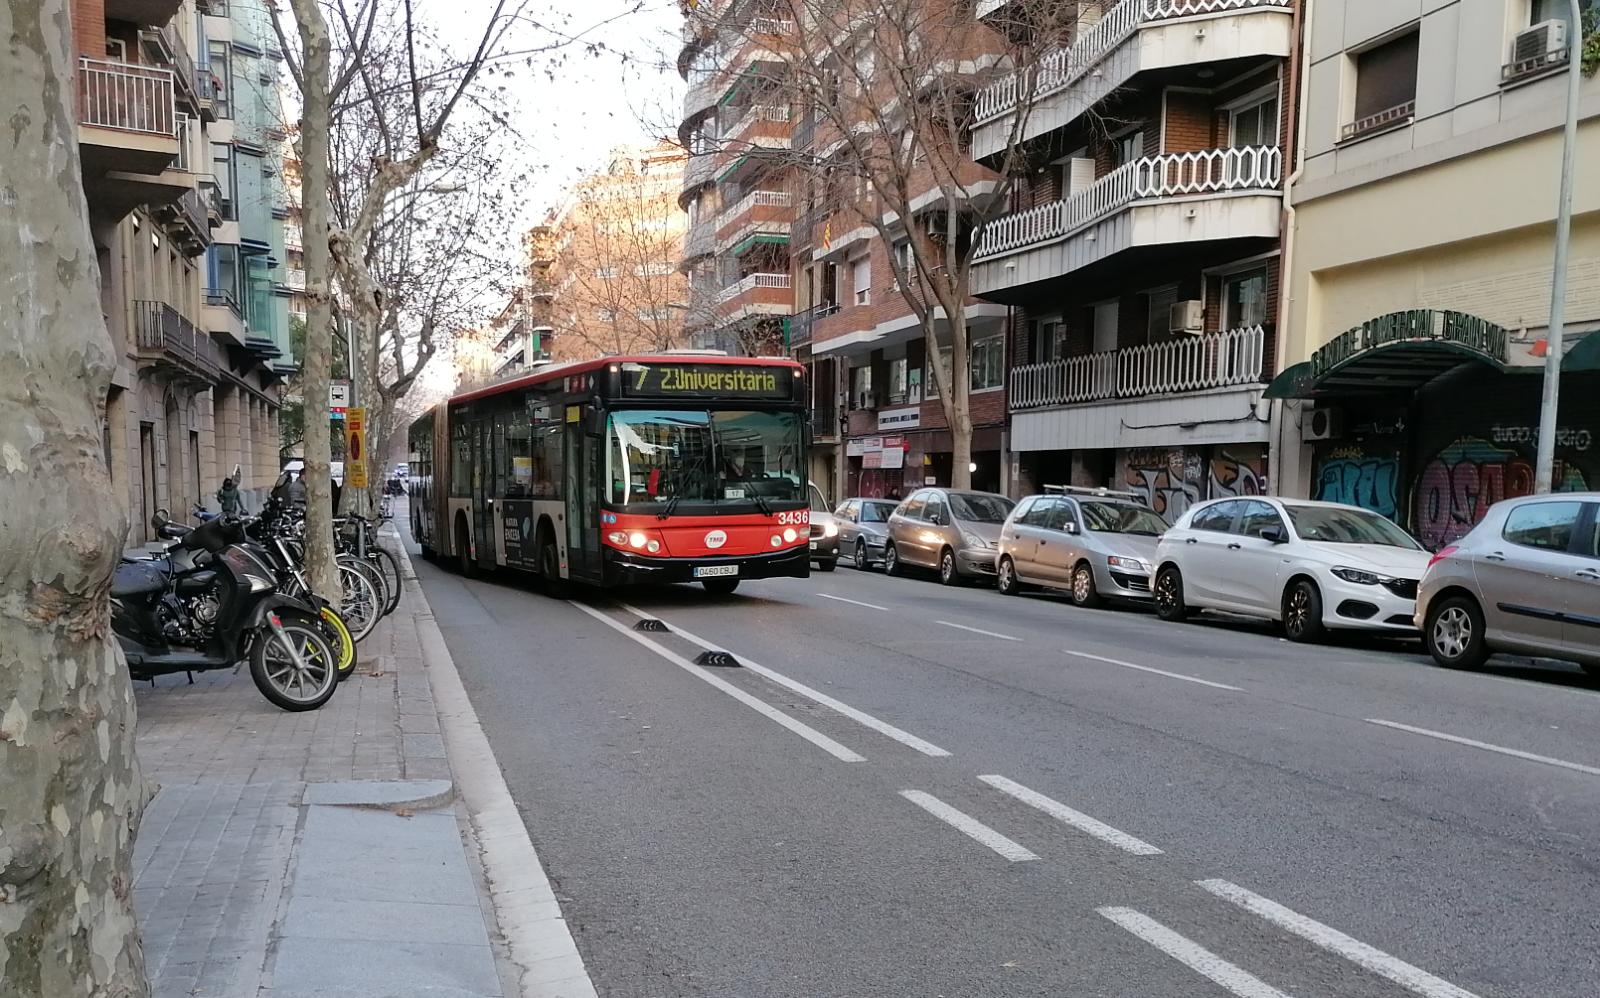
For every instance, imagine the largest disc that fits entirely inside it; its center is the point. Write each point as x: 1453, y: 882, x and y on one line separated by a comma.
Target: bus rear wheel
x: 720, y: 587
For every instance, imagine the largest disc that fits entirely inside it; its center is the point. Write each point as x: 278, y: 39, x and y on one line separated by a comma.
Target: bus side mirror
x: 594, y: 421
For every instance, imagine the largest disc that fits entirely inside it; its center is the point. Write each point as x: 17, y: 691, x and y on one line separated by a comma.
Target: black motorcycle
x: 210, y: 602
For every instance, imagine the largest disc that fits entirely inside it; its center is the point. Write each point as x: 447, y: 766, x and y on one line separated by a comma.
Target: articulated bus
x: 669, y: 468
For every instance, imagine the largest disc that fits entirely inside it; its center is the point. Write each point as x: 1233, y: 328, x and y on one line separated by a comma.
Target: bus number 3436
x: 795, y: 517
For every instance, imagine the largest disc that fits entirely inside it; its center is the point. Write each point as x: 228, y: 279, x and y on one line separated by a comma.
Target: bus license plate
x: 715, y: 571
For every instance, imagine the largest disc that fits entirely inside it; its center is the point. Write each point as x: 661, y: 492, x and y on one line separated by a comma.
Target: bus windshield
x: 695, y: 456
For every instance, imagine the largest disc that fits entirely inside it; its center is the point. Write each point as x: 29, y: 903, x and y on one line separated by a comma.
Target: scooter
x: 206, y: 603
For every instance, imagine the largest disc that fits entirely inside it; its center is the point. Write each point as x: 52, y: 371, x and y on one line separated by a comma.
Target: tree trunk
x: 314, y: 123
x: 71, y: 793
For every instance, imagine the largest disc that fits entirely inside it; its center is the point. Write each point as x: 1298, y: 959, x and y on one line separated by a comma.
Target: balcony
x: 824, y: 423
x: 142, y: 11
x: 757, y: 214
x: 1134, y: 37
x: 756, y: 294
x: 128, y: 116
x: 164, y: 337
x: 220, y: 313
x: 294, y: 278
x: 699, y: 241
x: 206, y: 86
x: 190, y: 221
x: 1215, y: 360
x: 699, y: 171
x: 1176, y: 198
x: 698, y: 104
x: 165, y: 45
x: 759, y: 122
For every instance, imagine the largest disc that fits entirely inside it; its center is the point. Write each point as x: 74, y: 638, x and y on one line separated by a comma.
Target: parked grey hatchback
x: 956, y: 533
x: 1094, y: 543
x: 1524, y: 580
x: 864, y: 529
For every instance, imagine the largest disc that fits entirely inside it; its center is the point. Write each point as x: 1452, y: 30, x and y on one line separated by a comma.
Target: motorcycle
x: 208, y: 602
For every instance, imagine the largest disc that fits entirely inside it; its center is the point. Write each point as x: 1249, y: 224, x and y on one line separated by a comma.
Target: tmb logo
x: 716, y: 539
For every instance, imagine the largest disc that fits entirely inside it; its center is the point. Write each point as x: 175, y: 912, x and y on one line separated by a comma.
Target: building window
x: 988, y: 362
x: 1254, y: 123
x: 897, y: 381
x: 1049, y: 340
x: 222, y: 169
x: 217, y: 61
x: 1158, y: 316
x: 861, y: 387
x: 1127, y: 147
x: 862, y: 269
x: 1244, y: 299
x: 1386, y: 86
x: 606, y: 315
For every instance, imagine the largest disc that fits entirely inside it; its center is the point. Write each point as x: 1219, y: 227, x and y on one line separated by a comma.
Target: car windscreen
x: 976, y: 507
x: 1117, y: 518
x: 1334, y: 525
x: 876, y: 512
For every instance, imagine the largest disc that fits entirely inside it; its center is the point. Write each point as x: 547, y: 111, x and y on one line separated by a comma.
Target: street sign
x: 338, y: 396
x: 355, y: 448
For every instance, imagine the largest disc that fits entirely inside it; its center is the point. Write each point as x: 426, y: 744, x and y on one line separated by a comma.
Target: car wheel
x: 1084, y: 593
x: 1169, y: 594
x: 827, y: 564
x: 1006, y: 578
x: 863, y: 560
x: 1302, y: 612
x: 947, y: 568
x: 891, y: 559
x: 1453, y: 631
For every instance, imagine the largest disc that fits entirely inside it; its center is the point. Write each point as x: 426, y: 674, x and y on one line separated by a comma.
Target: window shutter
x: 1080, y: 174
x: 1386, y: 77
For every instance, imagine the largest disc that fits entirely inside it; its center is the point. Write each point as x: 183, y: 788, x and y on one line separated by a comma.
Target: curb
x: 538, y: 942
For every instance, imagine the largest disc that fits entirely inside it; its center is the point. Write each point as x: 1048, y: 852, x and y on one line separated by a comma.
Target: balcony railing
x: 1384, y: 120
x: 1065, y: 66
x: 294, y: 278
x: 169, y: 43
x: 768, y: 199
x: 127, y: 98
x: 824, y: 421
x: 221, y: 298
x: 1215, y: 360
x: 159, y: 328
x: 757, y: 112
x: 1211, y: 171
x: 750, y: 283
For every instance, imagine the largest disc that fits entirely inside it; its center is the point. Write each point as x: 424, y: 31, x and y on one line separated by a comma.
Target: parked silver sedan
x: 864, y: 529
x: 1093, y: 543
x: 954, y: 533
x: 1525, y: 580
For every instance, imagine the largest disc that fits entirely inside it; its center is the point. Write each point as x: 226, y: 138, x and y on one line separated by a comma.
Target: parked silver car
x: 1524, y: 580
x: 864, y: 529
x: 1094, y: 543
x: 955, y: 533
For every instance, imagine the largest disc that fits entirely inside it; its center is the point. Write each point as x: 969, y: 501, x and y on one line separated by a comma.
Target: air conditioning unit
x: 1542, y: 44
x: 1323, y: 424
x: 867, y: 400
x: 1187, y: 317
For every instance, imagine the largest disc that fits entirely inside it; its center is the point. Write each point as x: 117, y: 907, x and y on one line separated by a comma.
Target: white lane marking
x: 1331, y: 939
x: 969, y: 825
x: 1158, y: 672
x: 810, y: 734
x: 1192, y: 955
x: 1077, y: 819
x: 905, y: 738
x: 976, y: 630
x: 1516, y: 753
x: 855, y: 602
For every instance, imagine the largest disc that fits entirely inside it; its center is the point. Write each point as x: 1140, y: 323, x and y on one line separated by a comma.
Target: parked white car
x: 1314, y: 566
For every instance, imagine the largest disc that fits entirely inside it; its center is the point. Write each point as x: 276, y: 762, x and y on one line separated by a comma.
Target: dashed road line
x: 853, y: 602
x: 1192, y: 955
x: 1146, y: 668
x: 861, y: 717
x: 1077, y: 819
x: 1576, y: 767
x: 978, y: 630
x: 1331, y: 939
x: 970, y: 826
x: 805, y: 731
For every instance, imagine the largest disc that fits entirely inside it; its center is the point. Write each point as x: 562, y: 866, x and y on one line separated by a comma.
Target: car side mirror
x: 1070, y: 528
x: 1276, y: 535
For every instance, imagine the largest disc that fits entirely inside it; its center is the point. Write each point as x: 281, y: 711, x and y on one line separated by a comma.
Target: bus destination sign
x: 711, y: 380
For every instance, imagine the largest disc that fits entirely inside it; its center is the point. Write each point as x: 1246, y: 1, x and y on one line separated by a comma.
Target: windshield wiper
x: 761, y: 503
x: 688, y: 474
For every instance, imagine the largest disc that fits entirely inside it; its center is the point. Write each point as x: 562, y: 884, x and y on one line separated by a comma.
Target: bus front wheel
x: 720, y: 587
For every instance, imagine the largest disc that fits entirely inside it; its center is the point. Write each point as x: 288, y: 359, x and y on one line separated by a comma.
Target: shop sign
x: 888, y: 457
x: 1418, y: 325
x: 899, y: 419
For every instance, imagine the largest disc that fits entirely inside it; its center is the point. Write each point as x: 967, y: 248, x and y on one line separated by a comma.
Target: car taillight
x: 1441, y: 555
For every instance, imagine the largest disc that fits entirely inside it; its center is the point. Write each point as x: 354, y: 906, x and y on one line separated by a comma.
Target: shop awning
x: 1398, y: 352
x: 1584, y: 356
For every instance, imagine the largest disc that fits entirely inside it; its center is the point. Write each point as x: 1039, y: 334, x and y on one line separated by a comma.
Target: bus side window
x: 518, y: 457
x: 547, y: 453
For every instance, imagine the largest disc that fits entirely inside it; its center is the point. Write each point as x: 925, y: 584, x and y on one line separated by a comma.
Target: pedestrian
x: 893, y: 494
x: 229, y: 499
x: 297, y: 490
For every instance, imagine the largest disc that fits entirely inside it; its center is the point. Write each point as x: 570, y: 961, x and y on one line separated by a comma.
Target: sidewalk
x: 340, y: 852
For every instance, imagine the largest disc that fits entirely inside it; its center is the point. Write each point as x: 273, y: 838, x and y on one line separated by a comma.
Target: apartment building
x: 1422, y: 261
x: 195, y: 392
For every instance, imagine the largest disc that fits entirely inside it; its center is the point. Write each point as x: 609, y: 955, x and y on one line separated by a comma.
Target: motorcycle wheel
x: 286, y: 683
x: 338, y: 635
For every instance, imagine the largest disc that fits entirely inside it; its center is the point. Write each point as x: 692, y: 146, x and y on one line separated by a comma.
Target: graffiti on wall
x: 1356, y: 477
x: 1457, y: 487
x: 1170, y: 480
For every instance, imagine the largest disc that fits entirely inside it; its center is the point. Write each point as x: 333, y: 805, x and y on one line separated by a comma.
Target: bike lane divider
x: 805, y: 731
x: 970, y: 826
x: 1151, y: 670
x: 1077, y: 819
x: 861, y: 717
x: 1546, y: 760
x: 978, y: 630
x: 853, y: 602
x: 1367, y: 957
x: 1191, y: 954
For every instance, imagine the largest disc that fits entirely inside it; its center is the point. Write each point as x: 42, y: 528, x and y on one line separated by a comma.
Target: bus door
x: 482, y: 490
x: 584, y: 450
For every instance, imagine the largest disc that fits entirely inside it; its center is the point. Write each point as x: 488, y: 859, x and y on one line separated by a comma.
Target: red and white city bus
x: 677, y: 467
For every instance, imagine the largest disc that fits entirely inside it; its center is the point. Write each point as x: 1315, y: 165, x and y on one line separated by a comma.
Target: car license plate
x: 715, y: 571
x: 813, y: 545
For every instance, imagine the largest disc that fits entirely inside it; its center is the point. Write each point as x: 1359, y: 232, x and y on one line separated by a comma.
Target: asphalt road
x: 909, y: 790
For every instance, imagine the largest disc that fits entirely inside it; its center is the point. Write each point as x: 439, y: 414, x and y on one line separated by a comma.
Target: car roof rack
x: 1097, y: 492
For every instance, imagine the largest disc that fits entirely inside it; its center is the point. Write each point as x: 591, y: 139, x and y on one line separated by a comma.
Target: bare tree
x: 71, y: 794
x: 887, y: 91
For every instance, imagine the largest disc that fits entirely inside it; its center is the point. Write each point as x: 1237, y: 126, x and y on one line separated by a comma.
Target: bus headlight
x: 789, y: 535
x: 654, y: 547
x: 637, y: 539
x: 618, y: 537
x: 777, y: 541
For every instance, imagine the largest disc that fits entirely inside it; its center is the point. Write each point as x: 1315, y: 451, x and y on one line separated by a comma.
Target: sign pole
x: 1544, y: 469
